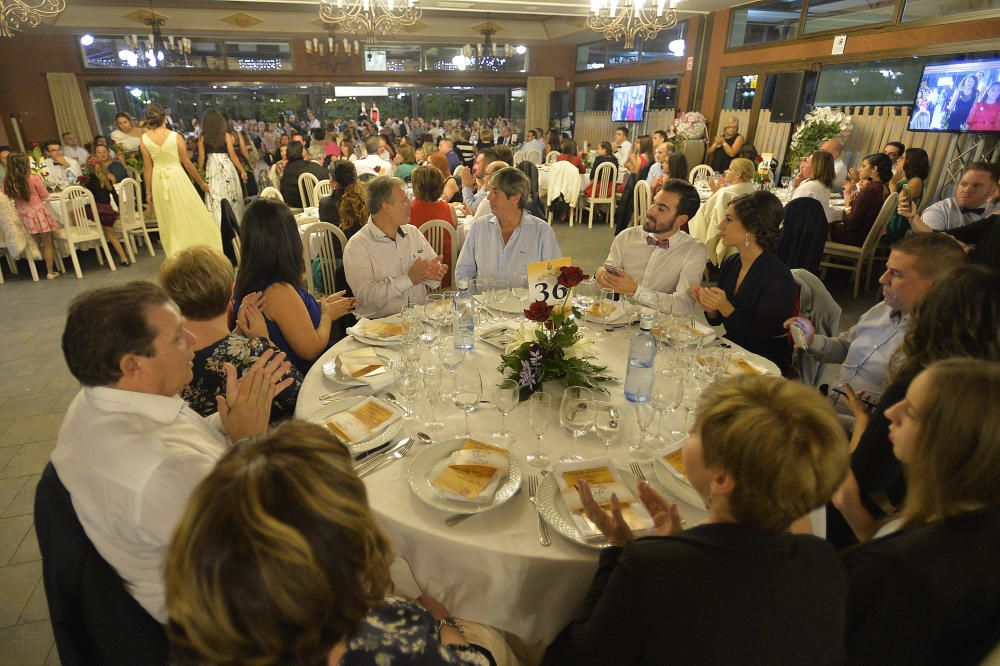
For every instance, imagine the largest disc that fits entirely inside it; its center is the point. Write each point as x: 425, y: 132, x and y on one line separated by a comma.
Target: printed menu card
x: 473, y: 472
x: 362, y: 421
x: 604, y: 480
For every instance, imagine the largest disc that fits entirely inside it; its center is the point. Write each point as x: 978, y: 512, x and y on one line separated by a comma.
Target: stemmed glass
x: 411, y: 353
x: 576, y: 414
x: 451, y: 359
x: 644, y: 413
x: 668, y: 391
x: 410, y: 385
x: 505, y: 396
x: 431, y: 375
x: 607, y: 307
x: 498, y: 295
x: 540, y: 405
x: 435, y: 307
x: 468, y: 393
x: 607, y: 422
x: 692, y: 394
x: 519, y: 289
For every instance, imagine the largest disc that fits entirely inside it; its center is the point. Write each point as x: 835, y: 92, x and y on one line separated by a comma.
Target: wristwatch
x: 449, y: 622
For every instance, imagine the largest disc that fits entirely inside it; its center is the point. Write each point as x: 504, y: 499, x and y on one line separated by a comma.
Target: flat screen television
x: 958, y: 97
x: 628, y: 104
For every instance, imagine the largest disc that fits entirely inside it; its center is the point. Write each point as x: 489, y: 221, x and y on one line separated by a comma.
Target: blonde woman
x: 704, y: 226
x: 726, y: 146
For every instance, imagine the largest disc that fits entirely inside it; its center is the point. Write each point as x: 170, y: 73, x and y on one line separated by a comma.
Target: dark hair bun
x: 155, y: 115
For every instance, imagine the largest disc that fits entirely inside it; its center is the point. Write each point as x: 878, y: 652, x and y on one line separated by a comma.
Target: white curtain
x: 67, y: 104
x: 536, y: 113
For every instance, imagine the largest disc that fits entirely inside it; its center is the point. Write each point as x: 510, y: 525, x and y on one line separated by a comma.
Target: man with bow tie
x: 658, y: 263
x: 970, y: 203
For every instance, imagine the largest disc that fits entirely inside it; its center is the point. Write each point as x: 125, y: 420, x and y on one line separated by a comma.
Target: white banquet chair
x: 605, y: 181
x: 642, y: 198
x: 307, y: 187
x: 518, y: 157
x: 323, y: 189
x: 271, y: 193
x: 533, y: 156
x: 699, y: 171
x: 552, y: 157
x: 435, y: 231
x: 317, y: 241
x: 564, y: 179
x: 131, y: 221
x: 78, y: 228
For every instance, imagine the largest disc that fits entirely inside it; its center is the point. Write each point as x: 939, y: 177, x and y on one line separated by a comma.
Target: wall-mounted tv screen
x: 958, y: 97
x: 629, y: 104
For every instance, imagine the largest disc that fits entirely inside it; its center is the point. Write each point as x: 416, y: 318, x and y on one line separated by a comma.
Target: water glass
x: 576, y: 414
x: 429, y: 334
x: 668, y: 391
x: 468, y: 393
x: 499, y: 293
x: 505, y: 396
x: 644, y: 413
x: 607, y: 307
x: 519, y: 289
x: 431, y: 375
x: 410, y: 386
x: 607, y: 422
x: 692, y: 395
x: 540, y: 406
x: 451, y: 358
x: 411, y: 353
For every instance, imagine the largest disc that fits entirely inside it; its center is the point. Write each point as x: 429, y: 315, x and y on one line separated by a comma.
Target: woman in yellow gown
x: 180, y: 213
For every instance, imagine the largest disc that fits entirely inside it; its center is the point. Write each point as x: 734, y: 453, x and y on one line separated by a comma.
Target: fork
x: 396, y: 455
x: 639, y: 474
x: 543, y: 530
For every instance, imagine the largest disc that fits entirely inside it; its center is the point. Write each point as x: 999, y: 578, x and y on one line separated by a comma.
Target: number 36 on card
x: 543, y: 279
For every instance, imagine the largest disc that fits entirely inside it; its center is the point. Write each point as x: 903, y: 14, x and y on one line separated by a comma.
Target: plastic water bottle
x: 464, y: 316
x: 641, y: 357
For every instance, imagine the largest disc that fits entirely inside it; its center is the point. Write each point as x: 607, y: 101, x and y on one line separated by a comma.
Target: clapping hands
x: 712, y: 299
x: 337, y: 305
x: 245, y: 408
x: 427, y: 269
x: 666, y: 519
x: 250, y: 320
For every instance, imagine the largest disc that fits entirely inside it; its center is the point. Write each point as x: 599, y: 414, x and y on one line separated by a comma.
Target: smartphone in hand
x: 613, y: 270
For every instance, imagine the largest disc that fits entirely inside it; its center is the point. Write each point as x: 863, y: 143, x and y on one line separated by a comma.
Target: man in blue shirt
x: 502, y: 244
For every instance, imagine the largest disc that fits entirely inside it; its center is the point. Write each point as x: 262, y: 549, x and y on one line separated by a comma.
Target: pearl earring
x: 746, y: 240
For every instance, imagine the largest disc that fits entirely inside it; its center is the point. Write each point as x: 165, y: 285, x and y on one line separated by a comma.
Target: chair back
x: 533, y: 156
x: 435, y: 232
x: 271, y: 193
x: 702, y: 170
x: 803, y: 234
x: 130, y: 205
x: 642, y: 197
x: 133, y: 173
x: 518, y: 156
x: 605, y: 181
x: 94, y: 618
x: 552, y: 157
x: 307, y: 185
x: 76, y: 202
x: 323, y: 189
x: 318, y: 241
x: 881, y: 222
x: 564, y: 179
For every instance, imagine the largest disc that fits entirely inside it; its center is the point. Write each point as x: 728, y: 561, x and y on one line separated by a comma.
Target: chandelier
x: 330, y: 52
x: 16, y: 15
x: 372, y: 17
x: 633, y: 18
x: 154, y: 50
x: 487, y: 51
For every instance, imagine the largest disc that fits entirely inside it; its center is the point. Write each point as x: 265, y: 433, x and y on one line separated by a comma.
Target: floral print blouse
x: 210, y: 375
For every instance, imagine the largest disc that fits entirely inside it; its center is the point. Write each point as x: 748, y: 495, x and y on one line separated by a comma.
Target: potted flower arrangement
x: 556, y: 349
x: 821, y: 124
x: 689, y: 134
x: 37, y: 162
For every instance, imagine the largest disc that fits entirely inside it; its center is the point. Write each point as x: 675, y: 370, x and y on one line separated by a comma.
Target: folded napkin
x: 360, y: 364
x: 604, y: 481
x: 673, y: 462
x: 362, y: 421
x: 387, y: 330
x: 473, y: 473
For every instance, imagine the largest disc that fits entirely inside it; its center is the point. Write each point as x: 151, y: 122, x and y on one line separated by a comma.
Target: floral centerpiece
x: 821, y: 124
x: 762, y: 176
x: 37, y: 161
x: 556, y: 349
x: 690, y: 126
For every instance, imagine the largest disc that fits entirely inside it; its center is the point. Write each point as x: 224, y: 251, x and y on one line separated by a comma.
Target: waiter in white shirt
x: 130, y: 451
x: 621, y: 144
x: 62, y: 169
x: 658, y: 263
x: 389, y: 264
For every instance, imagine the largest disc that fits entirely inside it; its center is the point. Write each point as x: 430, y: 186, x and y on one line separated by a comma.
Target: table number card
x: 543, y: 280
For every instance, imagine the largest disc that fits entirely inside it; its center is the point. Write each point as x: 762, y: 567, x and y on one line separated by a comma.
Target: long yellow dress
x: 180, y: 213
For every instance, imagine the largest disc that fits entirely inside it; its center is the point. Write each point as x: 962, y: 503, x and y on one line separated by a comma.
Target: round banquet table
x: 491, y: 568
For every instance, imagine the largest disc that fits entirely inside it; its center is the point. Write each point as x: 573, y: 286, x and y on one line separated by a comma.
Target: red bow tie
x: 665, y: 243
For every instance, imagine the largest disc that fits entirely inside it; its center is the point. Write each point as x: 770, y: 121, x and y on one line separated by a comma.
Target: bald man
x: 836, y: 148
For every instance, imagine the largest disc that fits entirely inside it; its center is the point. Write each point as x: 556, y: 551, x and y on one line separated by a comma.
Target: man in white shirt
x: 534, y: 143
x: 659, y: 168
x: 621, y: 144
x: 658, y: 263
x: 484, y: 208
x: 130, y: 451
x: 312, y: 121
x: 473, y: 180
x: 836, y: 148
x: 72, y: 148
x: 389, y: 264
x: 970, y: 203
x: 865, y: 349
x: 372, y: 163
x: 62, y: 169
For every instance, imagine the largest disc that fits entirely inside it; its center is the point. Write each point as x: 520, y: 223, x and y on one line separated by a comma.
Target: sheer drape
x: 537, y: 112
x: 67, y: 103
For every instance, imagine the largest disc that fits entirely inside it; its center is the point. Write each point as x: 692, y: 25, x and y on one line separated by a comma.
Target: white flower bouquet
x: 821, y: 124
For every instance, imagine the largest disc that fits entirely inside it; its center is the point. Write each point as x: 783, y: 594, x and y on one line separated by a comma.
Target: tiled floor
x: 36, y: 388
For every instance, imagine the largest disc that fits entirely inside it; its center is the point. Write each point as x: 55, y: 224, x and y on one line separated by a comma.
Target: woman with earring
x: 755, y: 293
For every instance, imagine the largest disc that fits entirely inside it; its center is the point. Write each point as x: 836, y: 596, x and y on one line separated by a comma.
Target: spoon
x: 392, y: 398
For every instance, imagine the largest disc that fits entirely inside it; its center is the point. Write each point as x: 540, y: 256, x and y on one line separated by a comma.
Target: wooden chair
x: 700, y: 170
x: 78, y: 228
x: 435, y: 231
x: 323, y: 189
x: 131, y: 221
x: 642, y: 198
x: 605, y: 182
x: 853, y: 258
x: 307, y: 185
x: 271, y: 193
x: 317, y: 241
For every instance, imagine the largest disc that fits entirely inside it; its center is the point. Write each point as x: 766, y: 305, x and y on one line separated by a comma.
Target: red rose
x: 539, y: 311
x: 570, y: 276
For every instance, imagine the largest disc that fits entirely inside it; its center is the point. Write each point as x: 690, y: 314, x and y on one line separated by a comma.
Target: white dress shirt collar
x: 159, y: 408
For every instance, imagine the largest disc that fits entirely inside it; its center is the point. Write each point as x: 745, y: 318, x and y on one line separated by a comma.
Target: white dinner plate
x: 365, y: 445
x: 618, y: 316
x: 682, y: 490
x: 511, y: 304
x: 552, y: 508
x: 431, y: 461
x: 389, y: 357
x: 376, y: 342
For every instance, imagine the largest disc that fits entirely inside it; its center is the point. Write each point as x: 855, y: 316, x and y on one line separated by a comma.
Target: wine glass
x: 431, y: 374
x: 540, y: 405
x: 429, y: 334
x: 607, y: 308
x: 668, y: 390
x: 519, y: 289
x: 505, y: 396
x: 468, y: 393
x: 436, y: 303
x: 498, y: 295
x: 576, y: 414
x: 644, y: 414
x: 480, y: 287
x: 451, y: 358
x: 410, y: 385
x: 607, y: 422
x: 692, y: 394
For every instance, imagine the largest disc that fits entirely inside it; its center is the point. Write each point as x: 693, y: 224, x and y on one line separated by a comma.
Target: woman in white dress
x: 217, y: 156
x: 819, y: 176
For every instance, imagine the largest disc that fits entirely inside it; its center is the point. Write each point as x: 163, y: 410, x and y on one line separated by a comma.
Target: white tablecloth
x: 491, y: 568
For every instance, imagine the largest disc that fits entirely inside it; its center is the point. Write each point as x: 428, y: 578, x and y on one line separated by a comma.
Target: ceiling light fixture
x: 631, y: 19
x: 371, y: 17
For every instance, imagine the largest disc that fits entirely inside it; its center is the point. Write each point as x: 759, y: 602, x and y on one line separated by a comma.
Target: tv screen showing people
x: 628, y: 104
x: 958, y: 97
